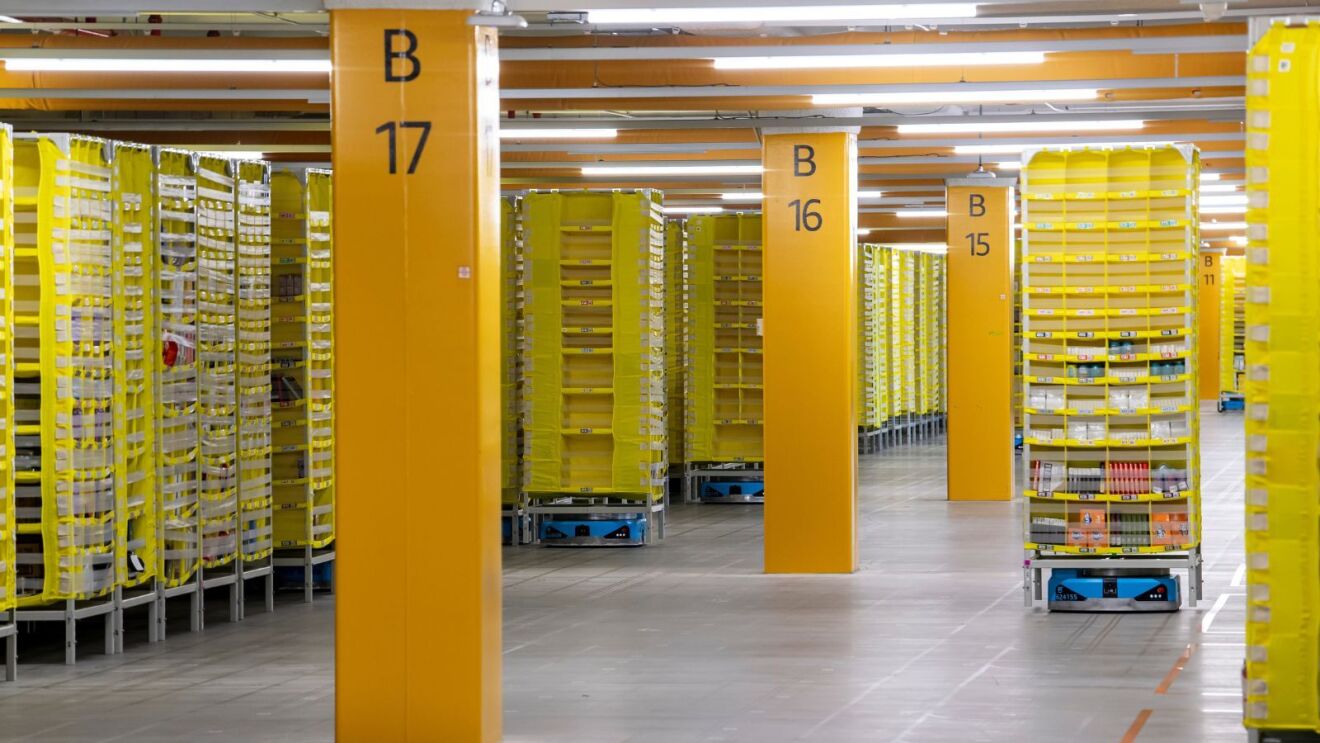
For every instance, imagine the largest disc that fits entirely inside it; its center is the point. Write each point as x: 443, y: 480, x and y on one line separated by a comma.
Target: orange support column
x: 417, y: 640
x: 1207, y: 333
x: 810, y: 329
x: 980, y: 338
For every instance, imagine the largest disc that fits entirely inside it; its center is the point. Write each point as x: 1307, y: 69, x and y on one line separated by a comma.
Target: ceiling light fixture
x: 1219, y: 188
x: 1209, y: 176
x: 758, y: 196
x: 653, y: 170
x: 976, y: 95
x: 1223, y: 225
x: 72, y: 64
x: 232, y: 154
x: 558, y: 133
x: 1226, y: 209
x: 1008, y: 165
x: 920, y: 213
x: 781, y: 14
x: 998, y: 127
x: 9, y: 19
x: 845, y: 61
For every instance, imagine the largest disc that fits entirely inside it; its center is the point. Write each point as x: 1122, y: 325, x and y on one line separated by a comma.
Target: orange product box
x: 1161, y: 531
x: 1097, y: 537
x: 1077, y: 536
x: 1092, y: 516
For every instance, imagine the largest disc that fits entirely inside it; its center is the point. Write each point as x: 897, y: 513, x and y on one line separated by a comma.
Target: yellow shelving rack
x: 724, y: 446
x: 64, y: 451
x: 914, y: 287
x: 512, y: 505
x: 1232, y: 330
x: 594, y: 416
x: 675, y: 332
x: 176, y: 415
x: 253, y: 352
x: 8, y: 598
x: 217, y: 364
x: 1109, y: 342
x: 872, y: 348
x: 1017, y: 335
x: 321, y: 360
x: 135, y: 354
x: 1282, y: 380
x: 304, y: 504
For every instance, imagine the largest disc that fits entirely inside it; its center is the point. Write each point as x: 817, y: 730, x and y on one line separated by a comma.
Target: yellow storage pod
x: 1232, y: 325
x: 8, y: 629
x: 65, y: 394
x: 725, y: 384
x: 302, y: 459
x: 593, y: 365
x: 253, y: 313
x: 135, y: 357
x: 321, y: 356
x: 217, y: 344
x: 1112, y: 443
x: 176, y: 421
x: 872, y: 344
x: 510, y: 473
x: 1282, y: 381
x: 675, y: 330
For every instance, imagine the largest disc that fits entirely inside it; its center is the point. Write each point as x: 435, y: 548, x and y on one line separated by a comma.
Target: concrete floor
x: 688, y: 641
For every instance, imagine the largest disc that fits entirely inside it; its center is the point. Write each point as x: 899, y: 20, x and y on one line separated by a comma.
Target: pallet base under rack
x: 1034, y: 581
x: 900, y: 431
x: 1282, y: 736
x: 654, y: 512
x: 307, y: 558
x: 515, y: 525
x: 72, y: 612
x: 699, y: 474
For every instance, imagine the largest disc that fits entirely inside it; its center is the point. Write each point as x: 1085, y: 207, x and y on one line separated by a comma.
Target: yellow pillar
x: 1207, y: 334
x: 980, y: 338
x: 417, y: 645
x: 810, y: 329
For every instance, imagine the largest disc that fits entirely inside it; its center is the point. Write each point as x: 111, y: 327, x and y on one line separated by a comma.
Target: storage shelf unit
x: 301, y: 377
x: 1282, y: 511
x: 135, y: 357
x: 510, y: 404
x: 916, y: 383
x: 1109, y: 347
x: 675, y: 334
x: 217, y: 362
x: 724, y: 433
x: 1233, y: 324
x: 8, y: 627
x: 176, y: 414
x: 65, y: 421
x: 253, y: 353
x: 872, y: 345
x: 594, y: 414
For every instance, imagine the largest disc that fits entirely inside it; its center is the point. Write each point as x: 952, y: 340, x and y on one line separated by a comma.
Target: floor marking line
x: 1178, y: 666
x: 1137, y: 725
x: 1239, y: 575
x: 1209, y: 617
x: 954, y: 692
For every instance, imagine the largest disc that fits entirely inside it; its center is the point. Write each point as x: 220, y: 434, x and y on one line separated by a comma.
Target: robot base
x: 585, y: 531
x: 739, y: 491
x: 1114, y: 591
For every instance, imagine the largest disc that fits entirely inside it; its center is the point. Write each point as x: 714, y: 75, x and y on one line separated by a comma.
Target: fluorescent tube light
x: 1223, y: 225
x: 73, y: 64
x: 781, y: 14
x: 863, y: 233
x: 608, y: 170
x: 1006, y: 95
x: 1224, y: 209
x: 1008, y: 165
x: 9, y: 19
x: 1239, y: 199
x: 998, y: 127
x: 692, y: 209
x: 1209, y: 176
x: 920, y: 213
x: 1238, y: 239
x: 559, y: 133
x: 845, y: 61
x: 1219, y: 188
x: 921, y: 247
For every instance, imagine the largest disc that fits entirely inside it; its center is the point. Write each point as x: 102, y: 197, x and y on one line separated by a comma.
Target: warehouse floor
x: 688, y: 641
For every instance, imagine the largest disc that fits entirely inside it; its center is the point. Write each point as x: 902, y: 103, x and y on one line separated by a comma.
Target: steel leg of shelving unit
x: 236, y: 597
x: 70, y: 635
x: 156, y: 618
x: 270, y: 586
x: 112, y: 620
x: 1037, y: 577
x: 308, y: 585
x: 1026, y: 587
x: 196, y: 610
x: 11, y: 655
